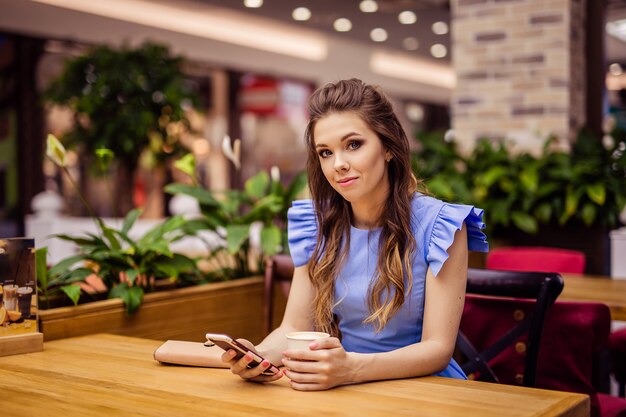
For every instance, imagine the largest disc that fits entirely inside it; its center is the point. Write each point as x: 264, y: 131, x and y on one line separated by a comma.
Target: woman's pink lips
x: 346, y: 182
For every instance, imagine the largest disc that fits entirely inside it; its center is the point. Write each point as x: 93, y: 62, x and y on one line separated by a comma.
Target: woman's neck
x: 367, y: 215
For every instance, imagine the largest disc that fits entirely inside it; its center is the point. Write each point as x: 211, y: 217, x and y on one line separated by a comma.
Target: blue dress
x: 433, y: 224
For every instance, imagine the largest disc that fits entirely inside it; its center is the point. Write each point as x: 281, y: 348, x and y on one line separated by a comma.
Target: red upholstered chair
x: 617, y: 346
x: 565, y: 261
x: 531, y: 258
x: 575, y: 336
x: 504, y: 313
x: 278, y: 271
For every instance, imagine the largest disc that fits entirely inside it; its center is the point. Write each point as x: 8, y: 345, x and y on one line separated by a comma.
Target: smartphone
x: 226, y: 342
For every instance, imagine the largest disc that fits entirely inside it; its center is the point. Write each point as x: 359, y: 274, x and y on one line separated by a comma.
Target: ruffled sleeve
x: 448, y: 221
x: 301, y: 231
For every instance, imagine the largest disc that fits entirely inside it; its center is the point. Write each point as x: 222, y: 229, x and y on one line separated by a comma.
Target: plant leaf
x: 524, y: 222
x: 63, y: 265
x: 76, y: 275
x: 297, y: 185
x: 270, y: 240
x: 203, y: 196
x: 236, y: 235
x: 588, y: 214
x: 41, y: 267
x: 256, y: 186
x: 131, y: 296
x: 187, y: 164
x: 529, y: 179
x: 130, y: 219
x: 110, y: 235
x: 131, y: 275
x: 72, y: 291
x: 597, y: 193
x: 55, y: 150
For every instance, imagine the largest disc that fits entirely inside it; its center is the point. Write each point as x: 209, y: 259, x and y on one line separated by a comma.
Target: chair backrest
x: 536, y: 258
x: 504, y: 312
x: 278, y: 270
x: 573, y: 354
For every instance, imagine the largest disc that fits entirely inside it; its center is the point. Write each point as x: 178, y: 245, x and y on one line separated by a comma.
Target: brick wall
x: 520, y: 66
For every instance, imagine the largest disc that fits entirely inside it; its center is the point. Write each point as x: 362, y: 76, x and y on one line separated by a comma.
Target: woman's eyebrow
x: 343, y: 138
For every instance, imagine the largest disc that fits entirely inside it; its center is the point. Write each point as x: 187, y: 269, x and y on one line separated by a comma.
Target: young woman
x: 379, y: 265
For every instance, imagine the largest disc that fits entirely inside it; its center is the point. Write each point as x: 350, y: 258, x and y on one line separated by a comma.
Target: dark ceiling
x: 325, y: 12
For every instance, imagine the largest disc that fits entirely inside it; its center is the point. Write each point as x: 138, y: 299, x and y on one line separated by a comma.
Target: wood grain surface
x: 111, y: 375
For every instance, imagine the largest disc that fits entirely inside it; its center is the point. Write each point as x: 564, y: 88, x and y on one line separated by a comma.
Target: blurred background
x: 515, y: 72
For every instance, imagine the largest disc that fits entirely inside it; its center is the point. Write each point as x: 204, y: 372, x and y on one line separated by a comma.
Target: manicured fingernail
x: 265, y: 363
x: 313, y: 345
x: 248, y: 358
x: 231, y: 353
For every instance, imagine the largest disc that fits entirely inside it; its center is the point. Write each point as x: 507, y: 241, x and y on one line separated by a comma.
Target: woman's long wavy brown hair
x: 397, y: 246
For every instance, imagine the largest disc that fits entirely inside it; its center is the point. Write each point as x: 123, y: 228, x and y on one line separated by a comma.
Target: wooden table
x: 611, y: 292
x: 107, y: 375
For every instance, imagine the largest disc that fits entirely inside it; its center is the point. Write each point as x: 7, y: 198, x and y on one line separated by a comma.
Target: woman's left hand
x: 324, y: 366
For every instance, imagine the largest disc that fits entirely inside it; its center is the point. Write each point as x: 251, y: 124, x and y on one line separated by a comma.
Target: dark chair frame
x: 542, y: 287
x: 278, y: 269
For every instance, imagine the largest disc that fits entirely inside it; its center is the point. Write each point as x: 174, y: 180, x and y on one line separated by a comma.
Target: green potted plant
x: 127, y: 267
x: 231, y: 214
x: 546, y: 199
x: 129, y: 100
x: 228, y: 306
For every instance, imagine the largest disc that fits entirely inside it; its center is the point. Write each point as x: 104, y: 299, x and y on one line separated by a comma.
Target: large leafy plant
x: 128, y: 267
x: 129, y: 100
x: 231, y: 214
x: 586, y: 185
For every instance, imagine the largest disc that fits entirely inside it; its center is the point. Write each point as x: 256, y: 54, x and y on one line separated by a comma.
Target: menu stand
x: 21, y: 343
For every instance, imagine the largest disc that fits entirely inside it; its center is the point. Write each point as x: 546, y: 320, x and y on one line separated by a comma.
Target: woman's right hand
x: 240, y: 366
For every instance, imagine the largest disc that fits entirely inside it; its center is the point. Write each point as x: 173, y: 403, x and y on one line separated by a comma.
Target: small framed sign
x: 18, y: 297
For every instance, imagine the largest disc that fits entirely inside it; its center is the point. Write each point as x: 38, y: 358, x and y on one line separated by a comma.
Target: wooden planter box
x: 232, y: 307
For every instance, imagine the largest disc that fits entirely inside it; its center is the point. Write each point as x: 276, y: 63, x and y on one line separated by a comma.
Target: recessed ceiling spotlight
x: 407, y: 17
x: 410, y: 43
x: 253, y: 4
x: 301, y: 14
x: 438, y: 50
x: 378, y: 35
x: 342, y: 25
x: 440, y: 28
x: 368, y: 6
x: 414, y: 112
x: 615, y: 69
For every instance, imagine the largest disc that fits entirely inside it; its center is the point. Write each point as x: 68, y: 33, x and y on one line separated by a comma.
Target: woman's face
x: 352, y: 157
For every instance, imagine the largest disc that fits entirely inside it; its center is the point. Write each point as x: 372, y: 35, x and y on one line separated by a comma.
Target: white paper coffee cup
x: 302, y: 340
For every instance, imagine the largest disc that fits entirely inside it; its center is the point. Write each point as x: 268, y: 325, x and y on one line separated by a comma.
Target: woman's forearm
x: 424, y: 358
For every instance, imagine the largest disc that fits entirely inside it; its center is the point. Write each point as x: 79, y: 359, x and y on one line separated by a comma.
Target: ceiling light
x: 414, y: 112
x: 342, y: 25
x: 301, y: 14
x: 378, y: 35
x: 617, y: 28
x: 410, y: 43
x: 253, y: 4
x: 438, y: 50
x: 615, y: 69
x: 440, y: 28
x: 412, y: 69
x: 210, y: 23
x: 407, y: 17
x: 368, y: 6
